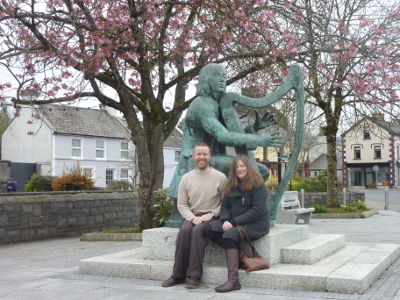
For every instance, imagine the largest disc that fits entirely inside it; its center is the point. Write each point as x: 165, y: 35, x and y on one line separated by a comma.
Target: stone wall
x: 311, y: 199
x: 31, y: 216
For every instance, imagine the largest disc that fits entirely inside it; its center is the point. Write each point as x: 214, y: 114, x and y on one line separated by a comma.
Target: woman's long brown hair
x: 252, y: 179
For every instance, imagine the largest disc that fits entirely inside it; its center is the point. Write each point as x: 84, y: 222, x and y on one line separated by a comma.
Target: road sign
x: 375, y: 168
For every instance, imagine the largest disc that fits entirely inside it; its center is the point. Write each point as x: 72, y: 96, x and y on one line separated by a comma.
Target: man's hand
x: 226, y: 226
x: 206, y: 217
x: 197, y: 220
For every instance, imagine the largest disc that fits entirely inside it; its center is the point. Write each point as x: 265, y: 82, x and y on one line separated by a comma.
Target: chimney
x: 378, y: 116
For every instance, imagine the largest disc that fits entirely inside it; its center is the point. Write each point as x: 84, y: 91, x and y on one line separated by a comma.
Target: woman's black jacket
x: 247, y: 209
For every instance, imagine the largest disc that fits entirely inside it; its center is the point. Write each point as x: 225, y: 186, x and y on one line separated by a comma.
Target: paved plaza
x: 50, y: 269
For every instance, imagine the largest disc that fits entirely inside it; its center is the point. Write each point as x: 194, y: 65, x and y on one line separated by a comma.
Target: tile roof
x: 392, y: 127
x: 175, y: 139
x: 389, y: 126
x: 83, y: 121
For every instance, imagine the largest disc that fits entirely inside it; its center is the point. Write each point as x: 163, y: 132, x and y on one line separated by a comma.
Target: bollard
x: 344, y: 196
x: 386, y: 198
x: 302, y: 198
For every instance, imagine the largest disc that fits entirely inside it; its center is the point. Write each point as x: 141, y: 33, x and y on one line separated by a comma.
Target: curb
x: 362, y: 215
x: 99, y: 236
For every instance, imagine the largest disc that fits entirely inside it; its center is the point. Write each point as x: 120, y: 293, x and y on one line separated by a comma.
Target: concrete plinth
x: 159, y: 243
x: 317, y: 262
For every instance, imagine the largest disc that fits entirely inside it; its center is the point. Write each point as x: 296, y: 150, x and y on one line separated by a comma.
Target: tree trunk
x: 149, y: 142
x: 151, y: 177
x: 331, y: 131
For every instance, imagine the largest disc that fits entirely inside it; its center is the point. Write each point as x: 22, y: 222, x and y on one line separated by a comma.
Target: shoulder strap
x: 245, y: 237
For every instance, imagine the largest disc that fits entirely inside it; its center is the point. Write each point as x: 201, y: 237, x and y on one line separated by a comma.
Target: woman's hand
x: 226, y: 226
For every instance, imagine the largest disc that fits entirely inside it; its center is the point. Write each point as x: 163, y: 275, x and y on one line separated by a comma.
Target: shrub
x: 119, y: 186
x: 39, y: 183
x: 73, y: 182
x: 349, y: 208
x: 163, y: 207
x: 320, y: 209
x: 359, y: 205
x: 272, y: 183
x: 313, y: 184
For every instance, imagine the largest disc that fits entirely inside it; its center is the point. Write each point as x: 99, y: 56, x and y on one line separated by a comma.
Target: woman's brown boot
x: 232, y: 262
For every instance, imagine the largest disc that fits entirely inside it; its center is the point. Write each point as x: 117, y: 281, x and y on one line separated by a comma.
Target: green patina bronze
x: 212, y: 119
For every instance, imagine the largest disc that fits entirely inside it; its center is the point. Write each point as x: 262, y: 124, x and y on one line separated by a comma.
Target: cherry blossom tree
x: 350, y: 51
x: 67, y: 50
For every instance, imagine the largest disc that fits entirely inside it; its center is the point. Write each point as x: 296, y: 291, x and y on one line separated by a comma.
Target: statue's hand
x: 270, y: 140
x: 254, y: 140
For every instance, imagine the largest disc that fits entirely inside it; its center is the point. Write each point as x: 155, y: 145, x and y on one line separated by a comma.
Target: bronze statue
x: 212, y: 119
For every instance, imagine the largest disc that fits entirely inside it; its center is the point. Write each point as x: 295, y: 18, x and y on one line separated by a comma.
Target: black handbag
x: 250, y: 263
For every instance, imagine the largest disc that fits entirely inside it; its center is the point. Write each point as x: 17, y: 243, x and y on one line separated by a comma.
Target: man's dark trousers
x: 189, y: 252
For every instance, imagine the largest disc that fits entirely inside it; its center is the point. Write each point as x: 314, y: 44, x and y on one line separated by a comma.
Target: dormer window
x: 367, y: 133
x: 357, y: 152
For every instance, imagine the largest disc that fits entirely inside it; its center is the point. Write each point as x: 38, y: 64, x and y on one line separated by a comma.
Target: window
x: 377, y: 152
x: 124, y: 150
x: 88, y: 172
x: 109, y: 176
x: 177, y: 155
x: 124, y: 175
x: 99, y: 149
x: 357, y: 152
x: 76, y: 149
x: 367, y: 133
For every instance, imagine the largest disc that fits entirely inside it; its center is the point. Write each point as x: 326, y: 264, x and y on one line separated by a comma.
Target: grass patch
x: 123, y: 230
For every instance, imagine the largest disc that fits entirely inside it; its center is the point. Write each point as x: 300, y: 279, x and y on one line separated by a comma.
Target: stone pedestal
x: 159, y: 244
x: 299, y: 261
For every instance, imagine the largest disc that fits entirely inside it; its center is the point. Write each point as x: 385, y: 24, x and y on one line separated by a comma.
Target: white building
x: 372, y: 153
x: 57, y: 137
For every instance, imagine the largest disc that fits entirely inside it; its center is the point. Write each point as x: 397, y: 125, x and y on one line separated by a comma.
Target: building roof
x: 321, y: 162
x: 175, y: 139
x: 83, y: 121
x: 391, y: 127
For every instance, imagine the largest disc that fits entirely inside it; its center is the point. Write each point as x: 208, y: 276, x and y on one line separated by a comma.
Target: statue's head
x: 212, y: 80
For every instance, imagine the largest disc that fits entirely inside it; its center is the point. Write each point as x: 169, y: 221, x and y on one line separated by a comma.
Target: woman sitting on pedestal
x: 244, y: 204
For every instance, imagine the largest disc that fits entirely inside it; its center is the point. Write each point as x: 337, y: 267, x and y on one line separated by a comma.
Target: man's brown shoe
x: 192, y: 284
x: 172, y: 281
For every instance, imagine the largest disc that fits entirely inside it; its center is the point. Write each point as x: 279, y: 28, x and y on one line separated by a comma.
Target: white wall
x: 169, y: 165
x: 63, y: 159
x: 355, y: 137
x: 18, y: 146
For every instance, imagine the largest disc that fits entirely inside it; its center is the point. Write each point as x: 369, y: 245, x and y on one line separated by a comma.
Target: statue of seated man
x: 204, y: 123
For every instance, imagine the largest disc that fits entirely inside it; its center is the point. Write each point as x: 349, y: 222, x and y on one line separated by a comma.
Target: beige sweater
x: 201, y: 192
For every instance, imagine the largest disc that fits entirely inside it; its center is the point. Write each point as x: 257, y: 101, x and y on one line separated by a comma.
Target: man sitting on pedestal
x: 199, y: 201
